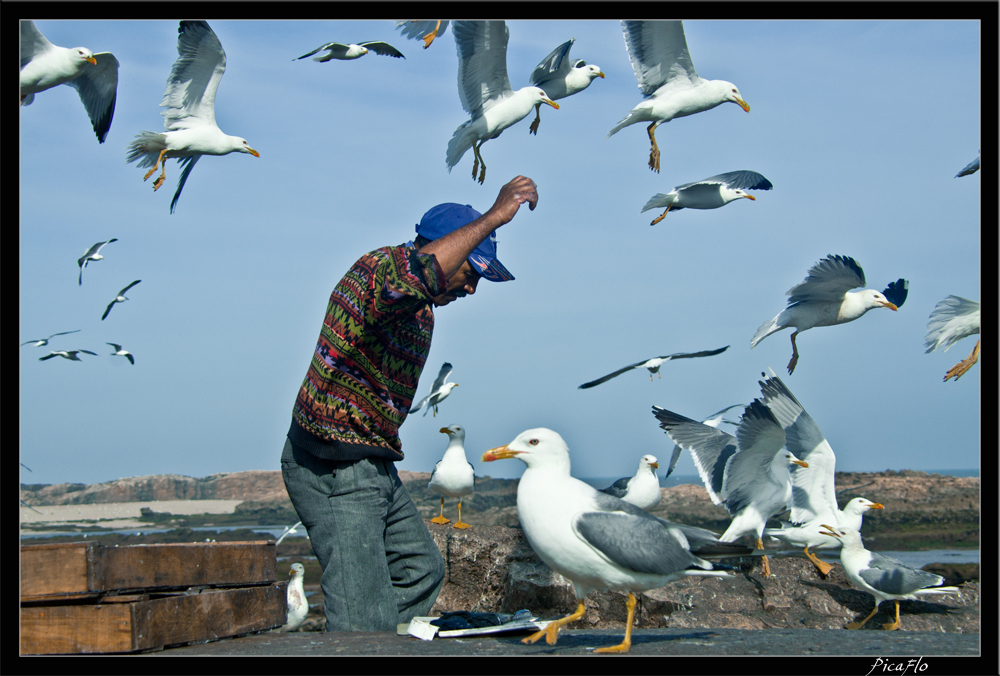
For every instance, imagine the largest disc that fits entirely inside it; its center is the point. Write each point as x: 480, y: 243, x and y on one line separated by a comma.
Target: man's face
x: 461, y: 283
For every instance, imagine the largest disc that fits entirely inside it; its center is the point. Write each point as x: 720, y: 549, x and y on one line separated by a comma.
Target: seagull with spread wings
x: 653, y: 365
x: 439, y: 391
x: 561, y: 77
x: 709, y: 193
x: 66, y: 354
x: 92, y: 254
x: 120, y: 298
x: 953, y: 319
x: 39, y: 342
x: 347, y: 52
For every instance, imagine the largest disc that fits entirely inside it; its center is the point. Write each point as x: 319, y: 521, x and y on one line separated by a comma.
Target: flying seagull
x: 453, y: 475
x: 45, y: 341
x: 709, y: 193
x: 288, y: 531
x: 346, y: 52
x: 422, y: 29
x: 485, y: 92
x: 120, y: 298
x: 670, y: 86
x: 560, y: 77
x: 93, y: 76
x: 92, y: 254
x: 824, y: 298
x: 953, y: 319
x: 653, y: 365
x: 119, y: 352
x: 189, y: 99
x: 439, y: 391
x: 643, y: 489
x: 66, y: 354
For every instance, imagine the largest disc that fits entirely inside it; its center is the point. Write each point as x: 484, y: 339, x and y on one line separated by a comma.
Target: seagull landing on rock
x: 653, y: 365
x: 881, y: 576
x: 39, y: 342
x: 346, y: 52
x: 453, y: 475
x: 298, y: 607
x: 422, y: 29
x: 953, y: 319
x: 92, y: 254
x: 120, y: 298
x: 824, y: 299
x: 643, y: 489
x: 560, y: 77
x: 485, y: 92
x: 189, y: 100
x: 709, y: 193
x: 671, y: 86
x: 595, y: 540
x: 120, y: 352
x: 66, y: 354
x: 93, y: 76
x: 439, y: 391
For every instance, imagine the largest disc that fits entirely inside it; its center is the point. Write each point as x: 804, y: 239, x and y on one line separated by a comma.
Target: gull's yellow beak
x: 253, y: 152
x: 751, y: 197
x: 875, y: 505
x: 444, y: 430
x: 743, y: 104
x: 801, y: 463
x: 600, y: 73
x: 92, y: 60
x: 499, y: 453
x: 655, y: 465
x: 891, y: 306
x: 551, y: 103
x: 830, y: 529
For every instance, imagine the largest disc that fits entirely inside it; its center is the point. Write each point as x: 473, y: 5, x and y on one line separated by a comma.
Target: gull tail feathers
x: 460, y: 142
x: 142, y: 149
x: 766, y: 329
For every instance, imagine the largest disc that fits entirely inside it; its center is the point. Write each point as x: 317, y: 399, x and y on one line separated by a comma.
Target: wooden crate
x: 90, y: 598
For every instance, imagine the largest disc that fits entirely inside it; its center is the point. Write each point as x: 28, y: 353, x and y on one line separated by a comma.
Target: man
x: 380, y: 564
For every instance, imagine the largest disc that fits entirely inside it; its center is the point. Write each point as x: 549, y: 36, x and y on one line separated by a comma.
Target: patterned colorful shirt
x: 371, y: 350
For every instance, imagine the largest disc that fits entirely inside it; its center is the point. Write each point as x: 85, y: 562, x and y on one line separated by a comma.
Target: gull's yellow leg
x: 624, y: 646
x: 429, y: 38
x: 155, y: 166
x: 892, y: 626
x: 550, y: 632
x: 767, y: 567
x: 533, y: 129
x: 959, y: 369
x: 661, y: 216
x: 459, y: 524
x: 441, y: 518
x: 823, y: 566
x: 654, y: 152
x: 858, y: 625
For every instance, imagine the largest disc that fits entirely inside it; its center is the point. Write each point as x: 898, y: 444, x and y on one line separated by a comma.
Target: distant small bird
x: 39, y: 342
x: 93, y: 76
x: 119, y: 352
x: 643, y: 489
x: 92, y: 254
x: 953, y: 319
x: 439, y: 391
x: 346, y: 52
x: 560, y: 77
x: 453, y: 474
x: 881, y: 576
x: 971, y: 168
x: 120, y: 298
x: 653, y: 365
x: 298, y: 607
x: 422, y: 29
x: 824, y: 299
x: 66, y: 354
x: 709, y: 193
x: 288, y: 531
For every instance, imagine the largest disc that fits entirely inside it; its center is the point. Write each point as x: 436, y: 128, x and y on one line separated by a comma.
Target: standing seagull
x: 189, y: 100
x: 747, y: 474
x: 560, y: 77
x: 119, y: 352
x: 485, y: 91
x: 971, y: 168
x: 39, y: 342
x: 709, y: 193
x: 824, y: 299
x: 953, y: 319
x: 439, y: 391
x: 643, y: 489
x: 671, y: 87
x: 453, y: 475
x: 298, y: 607
x: 66, y: 354
x: 422, y: 29
x: 596, y: 540
x: 346, y: 52
x: 92, y: 254
x: 883, y: 577
x: 93, y: 76
x: 713, y: 420
x: 120, y: 298
x: 653, y: 365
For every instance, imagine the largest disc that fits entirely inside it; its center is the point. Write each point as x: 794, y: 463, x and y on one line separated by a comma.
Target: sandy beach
x: 118, y: 514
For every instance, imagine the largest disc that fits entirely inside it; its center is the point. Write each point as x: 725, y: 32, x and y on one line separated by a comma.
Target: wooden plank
x: 56, y: 569
x: 154, y: 623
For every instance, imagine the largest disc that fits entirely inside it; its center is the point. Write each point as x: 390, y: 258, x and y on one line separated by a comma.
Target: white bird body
x: 121, y: 352
x: 709, y: 193
x: 560, y: 77
x: 66, y: 354
x: 653, y: 365
x: 453, y: 474
x: 953, y: 319
x: 298, y: 607
x: 806, y: 534
x: 439, y: 391
x: 643, y: 489
x: 347, y: 52
x: 92, y: 254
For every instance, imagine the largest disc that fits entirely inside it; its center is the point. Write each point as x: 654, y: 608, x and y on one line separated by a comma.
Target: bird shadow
x: 860, y: 603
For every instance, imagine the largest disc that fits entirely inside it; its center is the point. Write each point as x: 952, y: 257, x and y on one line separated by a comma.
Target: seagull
x: 709, y: 193
x: 92, y: 254
x: 189, y: 100
x: 288, y: 531
x: 713, y: 420
x: 485, y: 91
x: 559, y: 77
x: 439, y: 391
x: 814, y: 497
x: 119, y: 352
x: 422, y: 29
x: 953, y: 319
x: 971, y: 168
x: 643, y: 489
x: 66, y: 354
x: 881, y: 576
x: 93, y: 76
x: 453, y: 475
x: 120, y: 298
x: 45, y: 341
x: 596, y: 540
x: 824, y: 299
x: 747, y: 474
x: 346, y: 52
x: 653, y: 365
x: 298, y: 607
x: 670, y: 86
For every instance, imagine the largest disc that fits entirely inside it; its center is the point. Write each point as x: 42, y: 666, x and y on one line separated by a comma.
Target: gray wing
x: 618, y: 489
x: 98, y: 89
x: 33, y: 42
x: 688, y: 355
x: 894, y: 577
x: 420, y: 404
x: 952, y: 319
x: 896, y: 292
x: 704, y: 543
x: 713, y: 420
x: 443, y: 374
x: 556, y: 62
x: 86, y: 352
x: 187, y: 164
x: 659, y: 54
x: 737, y: 180
x: 416, y: 29
x: 710, y: 448
x: 636, y: 543
x: 828, y: 281
x: 615, y: 374
x: 338, y: 48
x: 122, y: 292
x: 194, y: 77
x: 382, y: 48
x: 482, y: 64
x: 971, y: 168
x: 63, y: 333
x: 759, y: 437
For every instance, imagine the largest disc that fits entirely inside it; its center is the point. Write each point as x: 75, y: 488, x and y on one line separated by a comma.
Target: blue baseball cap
x: 447, y: 217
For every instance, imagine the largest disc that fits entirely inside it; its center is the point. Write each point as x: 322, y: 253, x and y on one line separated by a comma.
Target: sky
x: 861, y: 127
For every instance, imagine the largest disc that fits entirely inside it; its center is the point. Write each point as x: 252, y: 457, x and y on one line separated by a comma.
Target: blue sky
x: 861, y: 127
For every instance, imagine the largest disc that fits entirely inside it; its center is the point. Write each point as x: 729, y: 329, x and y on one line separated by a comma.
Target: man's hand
x: 520, y: 190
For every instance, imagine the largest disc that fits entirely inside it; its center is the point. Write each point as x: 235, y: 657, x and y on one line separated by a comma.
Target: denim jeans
x: 380, y: 564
